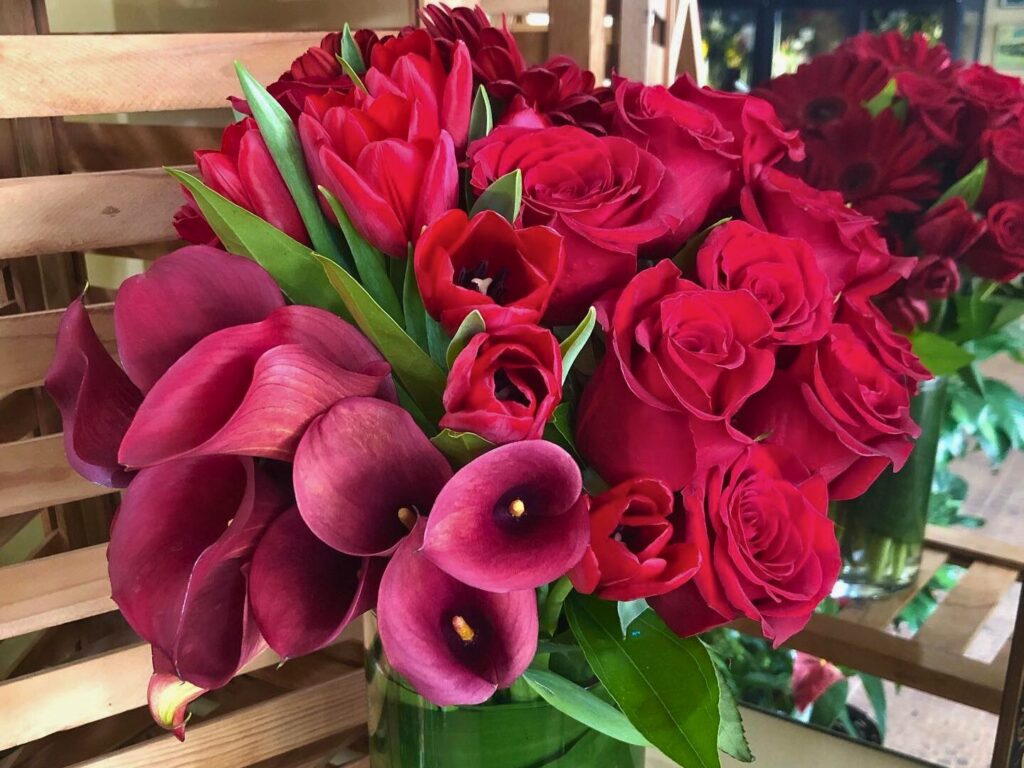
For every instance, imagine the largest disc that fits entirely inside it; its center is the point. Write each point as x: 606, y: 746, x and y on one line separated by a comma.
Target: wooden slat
x: 968, y: 546
x: 255, y: 733
x: 965, y: 609
x: 104, y: 146
x: 880, y: 613
x: 27, y: 343
x: 35, y: 473
x: 18, y: 415
x: 82, y: 211
x: 94, y: 74
x: 54, y: 590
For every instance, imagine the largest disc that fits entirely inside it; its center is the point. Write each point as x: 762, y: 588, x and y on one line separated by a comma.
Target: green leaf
x: 732, y: 739
x: 629, y: 611
x: 461, y: 447
x: 665, y: 684
x: 504, y: 196
x: 282, y: 138
x: 289, y: 262
x: 350, y: 52
x: 420, y: 375
x: 686, y: 259
x: 470, y: 327
x: 481, y: 119
x: 831, y: 704
x: 412, y: 303
x: 582, y: 705
x: 882, y: 100
x: 347, y: 68
x: 969, y: 187
x: 370, y: 263
x: 939, y: 355
x: 875, y: 690
x: 575, y: 341
x: 437, y: 341
x: 561, y: 419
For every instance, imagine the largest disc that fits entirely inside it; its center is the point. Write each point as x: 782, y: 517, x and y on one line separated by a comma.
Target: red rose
x: 994, y: 96
x: 949, y: 230
x: 780, y: 272
x: 244, y: 172
x: 848, y: 247
x: 933, y: 278
x: 1004, y: 179
x: 903, y: 312
x: 505, y: 384
x: 604, y: 195
x: 841, y: 409
x: 999, y: 255
x: 681, y: 360
x: 935, y: 103
x: 768, y: 548
x: 634, y: 552
x: 891, y: 349
x: 485, y: 264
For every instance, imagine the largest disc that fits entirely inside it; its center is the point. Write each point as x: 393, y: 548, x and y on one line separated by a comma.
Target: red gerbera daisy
x: 877, y: 164
x: 914, y: 54
x: 824, y: 90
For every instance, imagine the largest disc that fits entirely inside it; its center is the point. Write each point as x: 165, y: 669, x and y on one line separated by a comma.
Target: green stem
x: 938, y: 316
x: 552, y: 609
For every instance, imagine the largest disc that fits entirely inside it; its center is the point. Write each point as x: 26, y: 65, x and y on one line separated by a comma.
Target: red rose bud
x: 180, y: 547
x: 512, y: 519
x: 782, y: 273
x: 999, y: 255
x: 244, y: 172
x: 949, y: 230
x: 505, y: 384
x: 456, y: 644
x: 624, y: 204
x: 933, y: 278
x: 486, y: 264
x: 1004, y: 180
x: 634, y: 549
x: 768, y: 549
x: 811, y: 678
x: 363, y: 472
x: 903, y: 312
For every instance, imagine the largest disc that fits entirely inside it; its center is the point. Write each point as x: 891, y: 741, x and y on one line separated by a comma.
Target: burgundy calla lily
x: 252, y: 389
x: 363, y: 471
x: 457, y: 645
x: 303, y: 593
x: 511, y: 519
x: 180, y: 548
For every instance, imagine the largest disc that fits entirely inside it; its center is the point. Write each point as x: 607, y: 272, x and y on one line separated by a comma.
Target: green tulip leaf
x: 481, y: 119
x: 461, y: 447
x: 412, y: 303
x: 969, y: 187
x: 437, y: 341
x: 350, y: 52
x: 470, y: 327
x: 629, y: 611
x: 665, y: 684
x: 347, y: 68
x: 289, y: 262
x: 582, y: 705
x: 282, y: 139
x: 575, y: 341
x: 504, y: 196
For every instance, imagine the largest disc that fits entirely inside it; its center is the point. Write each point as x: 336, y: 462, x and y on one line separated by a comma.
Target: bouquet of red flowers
x: 519, y: 363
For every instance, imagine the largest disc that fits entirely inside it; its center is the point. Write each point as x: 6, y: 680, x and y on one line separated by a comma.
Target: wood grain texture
x: 35, y: 474
x: 28, y: 341
x: 95, y: 74
x: 880, y: 613
x: 103, y: 146
x: 82, y: 211
x: 54, y: 590
x: 257, y: 732
x: 968, y: 546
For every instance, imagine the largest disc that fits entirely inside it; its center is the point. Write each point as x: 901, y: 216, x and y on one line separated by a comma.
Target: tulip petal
x: 511, y: 519
x: 357, y: 466
x: 456, y: 644
x: 96, y: 399
x: 441, y: 178
x: 182, y: 298
x: 458, y: 96
x: 304, y: 593
x: 252, y: 389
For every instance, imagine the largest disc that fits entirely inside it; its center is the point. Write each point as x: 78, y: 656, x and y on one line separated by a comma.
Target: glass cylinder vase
x: 407, y: 731
x: 881, y: 534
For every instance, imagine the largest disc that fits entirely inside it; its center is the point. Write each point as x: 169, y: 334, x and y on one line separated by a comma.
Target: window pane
x: 728, y: 47
x: 884, y: 19
x: 802, y: 35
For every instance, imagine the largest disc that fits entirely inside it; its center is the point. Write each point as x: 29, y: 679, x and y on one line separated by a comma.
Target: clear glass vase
x: 881, y: 534
x: 407, y: 731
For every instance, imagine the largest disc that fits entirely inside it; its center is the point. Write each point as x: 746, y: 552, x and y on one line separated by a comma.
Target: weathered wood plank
x: 35, y: 474
x: 970, y: 546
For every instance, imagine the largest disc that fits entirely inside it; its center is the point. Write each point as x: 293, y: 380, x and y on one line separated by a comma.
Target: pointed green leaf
x: 732, y: 739
x: 665, y: 684
x: 350, y: 52
x: 939, y: 355
x: 561, y: 419
x: 470, y: 327
x: 282, y: 139
x: 582, y: 705
x: 875, y: 690
x: 370, y: 263
x: 969, y: 187
x: 437, y: 341
x: 629, y: 611
x: 461, y: 447
x: 481, y: 119
x: 415, y: 314
x: 505, y: 196
x: 289, y: 262
x: 686, y: 259
x: 575, y: 341
x: 882, y: 100
x: 420, y: 375
x: 357, y: 81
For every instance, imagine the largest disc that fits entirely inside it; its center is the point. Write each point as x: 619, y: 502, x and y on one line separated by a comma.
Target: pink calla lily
x: 511, y: 519
x: 456, y: 644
